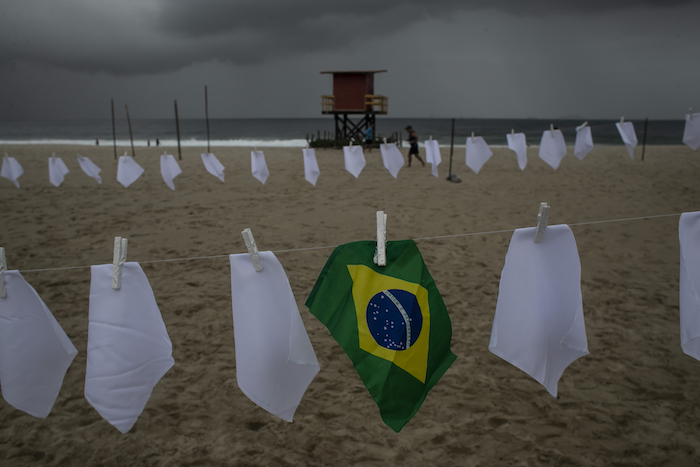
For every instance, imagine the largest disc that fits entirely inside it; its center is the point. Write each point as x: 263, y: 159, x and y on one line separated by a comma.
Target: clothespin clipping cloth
x: 538, y: 326
x: 552, y: 147
x: 391, y: 158
x: 432, y: 155
x: 584, y: 141
x: 311, y: 170
x: 275, y: 361
x: 518, y: 144
x: 252, y: 249
x: 35, y: 352
x: 169, y: 169
x: 57, y: 170
x: 258, y: 166
x: 380, y: 254
x: 128, y: 170
x: 213, y: 166
x: 477, y: 153
x: 629, y: 137
x: 11, y: 169
x: 354, y: 159
x: 90, y: 169
x: 691, y: 132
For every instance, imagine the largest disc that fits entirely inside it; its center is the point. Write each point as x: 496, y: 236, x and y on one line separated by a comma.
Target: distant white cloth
x: 275, y: 361
x: 213, y: 166
x: 584, y: 142
x: 11, y: 170
x: 691, y: 133
x: 90, y: 169
x: 392, y: 158
x: 629, y: 137
x: 128, y: 349
x: 34, y: 351
x: 128, y: 171
x: 311, y: 171
x: 258, y: 166
x: 169, y: 169
x: 689, y: 287
x: 57, y: 171
x: 538, y: 326
x: 354, y: 159
x: 517, y: 143
x: 552, y: 148
x: 432, y: 155
x: 477, y: 153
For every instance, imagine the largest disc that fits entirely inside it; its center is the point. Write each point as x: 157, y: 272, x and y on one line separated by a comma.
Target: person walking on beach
x: 369, y: 138
x: 413, y: 141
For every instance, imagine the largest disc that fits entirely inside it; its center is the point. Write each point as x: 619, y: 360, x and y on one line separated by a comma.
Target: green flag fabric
x: 390, y: 320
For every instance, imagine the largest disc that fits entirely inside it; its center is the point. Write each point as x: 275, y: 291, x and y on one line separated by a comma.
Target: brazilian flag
x: 390, y: 320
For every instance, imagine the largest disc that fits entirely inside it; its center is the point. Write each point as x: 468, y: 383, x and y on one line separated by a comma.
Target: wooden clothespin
x: 472, y: 136
x: 351, y: 143
x: 690, y: 113
x: 385, y: 140
x: 252, y: 249
x: 584, y: 124
x: 118, y: 261
x: 3, y: 268
x: 622, y: 120
x: 542, y: 217
x: 431, y: 137
x: 512, y: 131
x: 551, y: 129
x: 380, y: 254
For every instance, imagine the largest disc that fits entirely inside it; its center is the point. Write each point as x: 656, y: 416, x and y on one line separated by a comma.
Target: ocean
x: 288, y: 132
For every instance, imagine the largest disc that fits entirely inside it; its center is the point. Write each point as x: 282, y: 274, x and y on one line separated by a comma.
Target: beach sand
x: 634, y: 401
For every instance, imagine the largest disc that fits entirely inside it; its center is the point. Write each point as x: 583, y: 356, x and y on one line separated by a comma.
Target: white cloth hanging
x: 258, y: 166
x: 691, y: 132
x: 689, y: 286
x: 169, y: 169
x: 477, y: 153
x: 538, y: 326
x: 311, y: 171
x: 629, y: 137
x: 518, y: 144
x: 354, y: 159
x: 213, y: 166
x: 35, y: 352
x: 11, y: 170
x: 90, y: 169
x: 275, y: 361
x: 432, y: 155
x: 391, y: 158
x: 552, y: 148
x: 57, y: 170
x: 128, y: 171
x: 128, y: 349
x: 584, y: 141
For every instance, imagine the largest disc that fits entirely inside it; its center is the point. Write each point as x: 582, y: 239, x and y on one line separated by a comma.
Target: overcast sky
x: 445, y: 58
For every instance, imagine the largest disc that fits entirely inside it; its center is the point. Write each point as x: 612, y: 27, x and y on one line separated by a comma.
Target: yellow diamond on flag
x: 393, y: 319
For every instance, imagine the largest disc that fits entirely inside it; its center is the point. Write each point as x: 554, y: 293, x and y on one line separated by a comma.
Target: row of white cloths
x: 129, y: 349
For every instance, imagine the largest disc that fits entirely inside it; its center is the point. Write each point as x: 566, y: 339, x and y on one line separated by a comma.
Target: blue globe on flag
x: 394, y: 319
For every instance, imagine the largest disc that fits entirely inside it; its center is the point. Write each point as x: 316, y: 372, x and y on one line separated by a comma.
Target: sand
x: 634, y: 401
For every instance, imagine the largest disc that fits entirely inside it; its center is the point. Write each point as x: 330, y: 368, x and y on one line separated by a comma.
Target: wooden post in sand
x: 114, y: 132
x: 206, y: 112
x: 177, y: 126
x: 452, y: 148
x: 644, y: 139
x: 131, y: 135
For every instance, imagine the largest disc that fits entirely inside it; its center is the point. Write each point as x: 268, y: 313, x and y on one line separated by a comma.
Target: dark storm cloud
x: 144, y: 37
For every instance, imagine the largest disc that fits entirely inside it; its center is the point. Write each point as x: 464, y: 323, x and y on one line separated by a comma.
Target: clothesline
x: 293, y: 250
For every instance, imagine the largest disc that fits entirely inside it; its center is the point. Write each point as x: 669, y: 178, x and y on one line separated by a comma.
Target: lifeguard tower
x: 353, y: 93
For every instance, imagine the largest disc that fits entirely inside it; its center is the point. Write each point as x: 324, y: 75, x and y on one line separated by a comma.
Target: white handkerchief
x: 169, y: 169
x: 311, y: 171
x: 691, y: 133
x: 34, y: 351
x: 275, y: 361
x: 128, y: 349
x: 11, y: 170
x: 259, y: 166
x: 354, y: 159
x: 57, y: 171
x: 517, y: 143
x: 538, y: 326
x: 584, y: 142
x: 629, y: 137
x: 689, y: 287
x: 552, y: 148
x: 90, y: 169
x: 478, y: 153
x: 432, y: 155
x: 392, y: 158
x: 128, y: 171
x: 213, y: 166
